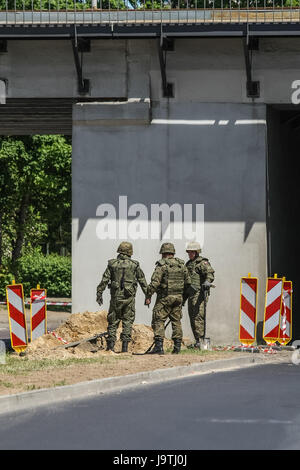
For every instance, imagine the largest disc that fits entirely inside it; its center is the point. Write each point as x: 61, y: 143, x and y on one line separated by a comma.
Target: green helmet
x: 125, y: 248
x: 193, y: 246
x: 167, y: 248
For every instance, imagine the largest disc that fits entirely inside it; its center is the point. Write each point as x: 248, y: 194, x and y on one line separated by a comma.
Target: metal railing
x: 55, y: 12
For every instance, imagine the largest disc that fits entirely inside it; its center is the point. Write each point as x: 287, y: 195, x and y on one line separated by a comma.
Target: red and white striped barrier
x: 273, y: 303
x: 248, y: 309
x: 28, y: 302
x: 285, y: 331
x: 38, y: 312
x: 16, y: 317
x: 65, y: 304
x: 57, y: 337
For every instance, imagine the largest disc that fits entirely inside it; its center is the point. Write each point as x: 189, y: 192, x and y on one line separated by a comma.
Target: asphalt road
x: 252, y: 408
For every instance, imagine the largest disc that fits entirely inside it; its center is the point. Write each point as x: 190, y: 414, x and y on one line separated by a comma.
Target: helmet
x: 125, y: 248
x: 167, y: 248
x: 193, y: 246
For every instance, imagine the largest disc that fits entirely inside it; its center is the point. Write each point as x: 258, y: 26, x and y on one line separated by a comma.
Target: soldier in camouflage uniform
x: 123, y: 274
x: 169, y: 280
x: 202, y: 276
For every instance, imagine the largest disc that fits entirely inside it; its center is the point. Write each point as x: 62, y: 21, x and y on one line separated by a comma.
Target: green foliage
x: 56, y: 5
x: 51, y: 272
x: 35, y: 212
x: 5, y: 279
x: 50, y: 5
x: 35, y: 193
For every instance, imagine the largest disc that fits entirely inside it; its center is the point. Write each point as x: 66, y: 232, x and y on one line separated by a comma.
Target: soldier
x: 170, y: 279
x: 123, y: 274
x: 202, y: 275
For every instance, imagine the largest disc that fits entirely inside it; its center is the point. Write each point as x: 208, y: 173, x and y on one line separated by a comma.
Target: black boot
x: 158, y: 348
x: 125, y: 346
x: 177, y: 346
x: 110, y: 345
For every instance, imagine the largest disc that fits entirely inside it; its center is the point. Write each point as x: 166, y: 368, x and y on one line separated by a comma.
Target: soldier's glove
x: 206, y: 285
x: 99, y: 299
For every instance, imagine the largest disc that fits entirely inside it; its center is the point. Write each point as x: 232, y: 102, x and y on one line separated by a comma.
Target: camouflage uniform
x: 169, y: 280
x: 200, y: 271
x: 123, y: 274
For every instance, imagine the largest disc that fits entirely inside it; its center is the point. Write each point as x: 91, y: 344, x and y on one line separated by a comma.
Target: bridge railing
x: 18, y: 12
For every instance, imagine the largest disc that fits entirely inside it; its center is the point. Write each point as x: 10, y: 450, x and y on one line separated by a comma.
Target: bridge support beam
x: 80, y: 45
x: 250, y: 44
x: 164, y: 45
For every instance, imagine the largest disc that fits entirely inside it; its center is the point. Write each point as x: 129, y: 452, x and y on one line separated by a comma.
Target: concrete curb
x: 83, y: 390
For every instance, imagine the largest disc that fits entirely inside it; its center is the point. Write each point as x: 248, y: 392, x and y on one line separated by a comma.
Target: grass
x: 6, y: 384
x: 31, y: 387
x: 22, y: 365
x: 199, y: 352
x: 60, y: 384
x: 194, y: 351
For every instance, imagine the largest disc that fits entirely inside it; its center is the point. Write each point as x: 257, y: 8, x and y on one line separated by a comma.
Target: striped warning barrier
x: 248, y: 308
x: 285, y: 331
x: 38, y: 312
x: 57, y: 336
x: 16, y: 317
x: 273, y: 301
x: 28, y: 302
x: 65, y: 304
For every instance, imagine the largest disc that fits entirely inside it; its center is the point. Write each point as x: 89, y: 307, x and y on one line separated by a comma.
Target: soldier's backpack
x: 123, y: 277
x: 173, y: 277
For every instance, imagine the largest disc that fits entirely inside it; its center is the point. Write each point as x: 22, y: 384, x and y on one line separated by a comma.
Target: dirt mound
x: 84, y: 325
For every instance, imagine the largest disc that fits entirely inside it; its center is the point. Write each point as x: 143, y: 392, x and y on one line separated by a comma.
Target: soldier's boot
x: 110, y: 345
x: 125, y: 346
x: 177, y: 346
x: 158, y: 347
x: 199, y: 343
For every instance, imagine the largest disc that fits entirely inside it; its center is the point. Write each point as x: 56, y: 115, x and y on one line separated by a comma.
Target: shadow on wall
x: 192, y: 157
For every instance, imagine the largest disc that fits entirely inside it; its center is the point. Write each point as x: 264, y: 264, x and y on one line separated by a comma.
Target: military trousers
x: 121, y: 310
x: 196, y: 309
x: 164, y: 308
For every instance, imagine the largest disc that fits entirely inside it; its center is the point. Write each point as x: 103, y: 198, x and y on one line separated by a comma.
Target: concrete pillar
x: 173, y: 153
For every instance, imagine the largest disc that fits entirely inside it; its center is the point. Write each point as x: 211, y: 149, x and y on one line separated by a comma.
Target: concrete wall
x: 160, y: 161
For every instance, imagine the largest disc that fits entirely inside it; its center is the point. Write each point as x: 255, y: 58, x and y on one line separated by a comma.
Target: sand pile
x: 84, y: 325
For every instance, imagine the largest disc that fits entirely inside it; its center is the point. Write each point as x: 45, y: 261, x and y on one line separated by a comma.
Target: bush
x: 51, y: 272
x: 5, y: 279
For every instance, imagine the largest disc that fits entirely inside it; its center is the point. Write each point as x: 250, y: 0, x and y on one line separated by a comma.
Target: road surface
x: 252, y: 408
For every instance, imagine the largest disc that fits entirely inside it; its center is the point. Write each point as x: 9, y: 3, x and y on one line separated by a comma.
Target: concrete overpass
x: 181, y: 107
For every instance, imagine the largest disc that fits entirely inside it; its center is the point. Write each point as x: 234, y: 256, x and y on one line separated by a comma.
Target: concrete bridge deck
x: 150, y: 23
x: 165, y: 16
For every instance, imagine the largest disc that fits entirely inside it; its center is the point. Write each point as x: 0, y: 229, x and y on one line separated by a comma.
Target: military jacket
x: 200, y: 271
x: 170, y: 277
x: 123, y: 274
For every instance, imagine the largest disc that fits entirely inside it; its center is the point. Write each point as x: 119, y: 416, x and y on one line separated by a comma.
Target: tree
x: 35, y: 177
x: 58, y: 4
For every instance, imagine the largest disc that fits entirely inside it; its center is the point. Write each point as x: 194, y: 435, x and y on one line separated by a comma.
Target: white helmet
x: 193, y: 246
